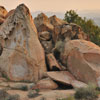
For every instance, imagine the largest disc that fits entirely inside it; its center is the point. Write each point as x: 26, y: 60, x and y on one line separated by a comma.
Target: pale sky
x: 53, y: 5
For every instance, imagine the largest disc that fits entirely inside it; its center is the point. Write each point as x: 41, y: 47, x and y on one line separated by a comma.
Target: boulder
x: 45, y: 35
x: 46, y: 83
x: 56, y: 21
x: 65, y: 78
x: 68, y: 32
x: 82, y: 59
x: 52, y: 62
x: 77, y: 32
x: 23, y: 58
x: 3, y: 12
x: 42, y: 23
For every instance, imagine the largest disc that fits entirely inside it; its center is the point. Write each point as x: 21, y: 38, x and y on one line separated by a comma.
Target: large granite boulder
x: 23, y: 57
x: 82, y: 59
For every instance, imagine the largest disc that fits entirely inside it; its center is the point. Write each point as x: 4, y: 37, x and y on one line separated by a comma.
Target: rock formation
x: 42, y: 23
x: 23, y: 58
x: 82, y: 60
x: 46, y: 51
x: 66, y: 79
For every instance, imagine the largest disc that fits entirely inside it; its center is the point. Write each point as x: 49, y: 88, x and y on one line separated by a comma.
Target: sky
x: 53, y: 5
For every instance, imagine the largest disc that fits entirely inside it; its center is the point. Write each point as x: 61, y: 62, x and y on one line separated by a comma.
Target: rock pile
x: 47, y: 51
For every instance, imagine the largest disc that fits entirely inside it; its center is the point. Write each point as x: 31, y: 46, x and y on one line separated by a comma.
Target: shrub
x: 32, y: 94
x: 69, y: 98
x: 13, y: 97
x: 62, y: 99
x: 22, y: 87
x: 88, y: 93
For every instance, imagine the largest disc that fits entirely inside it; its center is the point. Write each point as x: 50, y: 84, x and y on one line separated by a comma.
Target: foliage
x: 32, y: 94
x: 13, y: 97
x: 62, y: 99
x: 88, y: 25
x: 69, y: 98
x: 88, y: 93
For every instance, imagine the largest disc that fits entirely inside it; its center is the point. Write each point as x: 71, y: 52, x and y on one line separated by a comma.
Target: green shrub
x: 69, y: 98
x: 32, y: 94
x: 88, y: 93
x: 62, y: 99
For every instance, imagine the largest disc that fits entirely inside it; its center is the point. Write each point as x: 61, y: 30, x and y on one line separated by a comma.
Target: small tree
x: 88, y: 25
x: 71, y: 16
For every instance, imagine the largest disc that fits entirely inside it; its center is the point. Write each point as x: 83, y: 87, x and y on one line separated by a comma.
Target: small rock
x: 46, y: 83
x: 45, y: 35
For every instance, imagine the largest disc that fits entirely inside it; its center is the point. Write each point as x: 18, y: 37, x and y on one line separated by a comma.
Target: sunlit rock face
x: 82, y: 59
x: 42, y: 23
x: 3, y: 13
x: 23, y: 57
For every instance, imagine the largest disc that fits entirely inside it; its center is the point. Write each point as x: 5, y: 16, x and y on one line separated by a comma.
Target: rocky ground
x: 44, y: 58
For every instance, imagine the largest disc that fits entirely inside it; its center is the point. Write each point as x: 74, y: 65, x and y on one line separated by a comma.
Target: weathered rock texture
x: 23, y: 59
x: 52, y: 30
x: 56, y: 21
x: 82, y: 59
x: 42, y: 23
x: 3, y: 11
x: 68, y: 32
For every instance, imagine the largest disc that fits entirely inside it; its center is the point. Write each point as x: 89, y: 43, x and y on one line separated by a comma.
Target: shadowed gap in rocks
x: 63, y: 86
